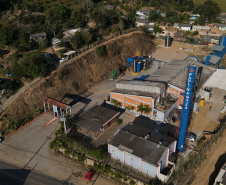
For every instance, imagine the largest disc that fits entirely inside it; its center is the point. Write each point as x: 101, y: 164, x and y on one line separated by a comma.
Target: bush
x: 75, y: 85
x: 101, y: 51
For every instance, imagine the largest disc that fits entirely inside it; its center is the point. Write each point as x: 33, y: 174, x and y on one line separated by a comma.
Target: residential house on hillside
x: 200, y: 28
x: 142, y: 22
x: 71, y: 32
x: 220, y: 26
x: 58, y: 44
x: 109, y: 7
x: 141, y: 147
x: 210, y: 39
x: 179, y: 37
x: 184, y: 27
x: 38, y: 37
x: 142, y: 14
x: 222, y: 17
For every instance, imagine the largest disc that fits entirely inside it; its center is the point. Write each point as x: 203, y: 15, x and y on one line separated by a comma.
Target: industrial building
x: 161, y: 92
x: 144, y: 148
x: 96, y: 120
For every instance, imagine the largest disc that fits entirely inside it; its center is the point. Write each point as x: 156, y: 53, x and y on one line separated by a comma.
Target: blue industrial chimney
x: 207, y: 60
x: 186, y: 107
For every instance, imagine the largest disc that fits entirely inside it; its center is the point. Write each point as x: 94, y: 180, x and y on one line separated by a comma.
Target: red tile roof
x: 56, y: 103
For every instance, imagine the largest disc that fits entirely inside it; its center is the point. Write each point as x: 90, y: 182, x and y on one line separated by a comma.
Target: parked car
x: 89, y: 175
x: 1, y: 139
x: 191, y: 137
x: 62, y: 60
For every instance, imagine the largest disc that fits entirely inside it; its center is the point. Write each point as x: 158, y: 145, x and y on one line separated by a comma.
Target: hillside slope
x: 85, y: 70
x: 221, y: 3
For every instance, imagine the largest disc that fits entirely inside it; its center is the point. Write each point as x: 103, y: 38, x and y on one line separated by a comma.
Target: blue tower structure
x: 186, y: 107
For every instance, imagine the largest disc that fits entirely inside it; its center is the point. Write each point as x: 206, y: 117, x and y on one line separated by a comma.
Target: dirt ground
x: 210, y: 167
x: 178, y: 51
x: 84, y: 70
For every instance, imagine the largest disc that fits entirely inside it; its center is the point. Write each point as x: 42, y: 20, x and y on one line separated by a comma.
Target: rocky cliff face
x: 79, y: 74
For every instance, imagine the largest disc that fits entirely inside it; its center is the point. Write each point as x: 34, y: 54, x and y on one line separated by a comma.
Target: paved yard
x: 29, y: 148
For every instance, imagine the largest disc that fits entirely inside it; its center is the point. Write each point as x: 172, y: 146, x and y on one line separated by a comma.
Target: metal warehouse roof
x: 143, y: 83
x: 217, y: 80
x: 174, y: 72
x: 201, y: 27
x: 142, y: 131
x: 136, y: 93
x: 89, y: 125
x: 213, y: 59
x: 145, y: 149
x: 99, y: 114
x: 217, y: 48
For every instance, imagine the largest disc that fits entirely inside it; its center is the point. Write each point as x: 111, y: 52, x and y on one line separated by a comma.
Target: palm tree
x: 147, y: 109
x: 140, y: 108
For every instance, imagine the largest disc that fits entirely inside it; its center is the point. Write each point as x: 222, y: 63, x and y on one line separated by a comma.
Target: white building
x: 184, y: 27
x: 200, y: 28
x: 144, y: 149
x: 143, y: 14
x: 71, y: 33
x: 221, y: 177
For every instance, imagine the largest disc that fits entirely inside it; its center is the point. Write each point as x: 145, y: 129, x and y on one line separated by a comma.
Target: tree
x: 101, y: 51
x: 157, y: 29
x: 140, y: 108
x: 208, y: 10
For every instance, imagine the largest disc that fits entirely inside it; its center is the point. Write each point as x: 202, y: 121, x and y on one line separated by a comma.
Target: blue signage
x: 186, y: 107
x: 55, y: 108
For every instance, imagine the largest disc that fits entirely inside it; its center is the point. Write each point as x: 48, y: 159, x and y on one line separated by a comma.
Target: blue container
x: 138, y: 67
x: 186, y: 107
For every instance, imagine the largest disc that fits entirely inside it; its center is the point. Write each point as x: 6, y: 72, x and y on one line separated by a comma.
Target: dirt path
x: 92, y: 49
x: 209, y: 168
x: 12, y: 98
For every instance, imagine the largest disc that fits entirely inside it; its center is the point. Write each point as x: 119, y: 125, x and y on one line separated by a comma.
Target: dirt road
x: 210, y: 167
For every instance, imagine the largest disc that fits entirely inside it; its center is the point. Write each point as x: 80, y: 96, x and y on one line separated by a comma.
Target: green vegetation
x: 220, y: 3
x: 129, y: 108
x: 77, y: 144
x: 16, y: 124
x: 101, y: 51
x: 208, y: 11
x: 144, y: 109
x: 116, y: 103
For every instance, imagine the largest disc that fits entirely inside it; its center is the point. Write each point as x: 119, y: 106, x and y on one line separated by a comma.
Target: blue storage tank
x: 138, y: 67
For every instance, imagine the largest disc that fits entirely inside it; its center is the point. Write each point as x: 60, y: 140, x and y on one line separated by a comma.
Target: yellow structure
x: 201, y: 104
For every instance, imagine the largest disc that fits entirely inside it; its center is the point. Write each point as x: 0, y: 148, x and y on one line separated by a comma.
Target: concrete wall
x: 176, y: 91
x: 164, y: 159
x: 115, y: 153
x: 133, y: 161
x: 172, y: 147
x: 149, y: 169
x: 166, y: 114
x: 132, y: 100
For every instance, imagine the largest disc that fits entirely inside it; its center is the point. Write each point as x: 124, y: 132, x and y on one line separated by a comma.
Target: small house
x: 221, y: 27
x: 200, y: 28
x: 70, y: 54
x: 58, y: 44
x: 96, y: 120
x: 70, y: 33
x: 142, y: 14
x: 142, y: 22
x: 221, y: 177
x: 184, y: 27
x: 222, y: 17
x: 109, y: 7
x: 38, y: 37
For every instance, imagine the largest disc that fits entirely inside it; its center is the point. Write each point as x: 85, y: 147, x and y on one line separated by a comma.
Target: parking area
x: 29, y: 149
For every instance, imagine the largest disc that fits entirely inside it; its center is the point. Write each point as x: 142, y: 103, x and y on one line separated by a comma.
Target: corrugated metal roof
x: 213, y: 59
x: 217, y: 48
x: 70, y: 52
x: 142, y: 21
x: 89, y: 125
x: 145, y: 149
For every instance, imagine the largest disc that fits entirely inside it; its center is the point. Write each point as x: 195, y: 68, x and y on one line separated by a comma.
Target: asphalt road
x: 15, y: 175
